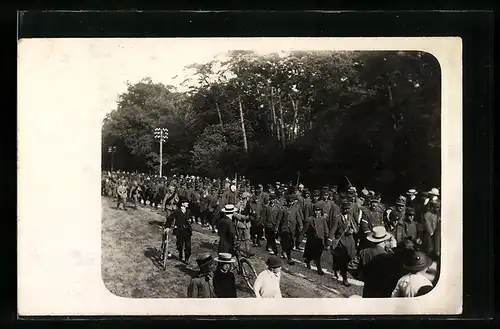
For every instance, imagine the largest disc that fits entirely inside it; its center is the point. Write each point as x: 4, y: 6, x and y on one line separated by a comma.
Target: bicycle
x: 243, y: 267
x: 164, y: 248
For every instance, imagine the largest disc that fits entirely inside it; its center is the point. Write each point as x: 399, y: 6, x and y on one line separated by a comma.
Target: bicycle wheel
x: 165, y: 252
x: 248, y: 273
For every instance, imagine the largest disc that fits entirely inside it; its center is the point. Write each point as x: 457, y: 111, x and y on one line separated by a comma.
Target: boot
x: 345, y: 282
x: 290, y: 260
x: 308, y: 265
x: 320, y: 270
x: 180, y: 255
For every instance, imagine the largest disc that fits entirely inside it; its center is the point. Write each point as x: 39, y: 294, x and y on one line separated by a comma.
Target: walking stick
x: 350, y: 185
x: 298, y: 179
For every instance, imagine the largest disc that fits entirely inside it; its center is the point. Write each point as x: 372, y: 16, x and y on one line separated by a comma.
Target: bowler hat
x: 378, y: 234
x: 204, y: 259
x: 274, y: 261
x: 410, y: 211
x: 417, y: 261
x: 317, y: 206
x: 225, y: 258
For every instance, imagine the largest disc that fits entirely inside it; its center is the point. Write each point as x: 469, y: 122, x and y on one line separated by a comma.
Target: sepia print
x: 274, y: 170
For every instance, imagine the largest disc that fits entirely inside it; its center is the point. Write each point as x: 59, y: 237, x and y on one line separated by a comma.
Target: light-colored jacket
x: 267, y: 285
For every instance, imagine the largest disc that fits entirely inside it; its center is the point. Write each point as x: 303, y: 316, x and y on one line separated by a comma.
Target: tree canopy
x: 371, y: 116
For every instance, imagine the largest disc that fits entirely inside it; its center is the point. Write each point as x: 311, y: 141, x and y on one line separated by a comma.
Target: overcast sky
x: 95, y: 71
x: 116, y: 61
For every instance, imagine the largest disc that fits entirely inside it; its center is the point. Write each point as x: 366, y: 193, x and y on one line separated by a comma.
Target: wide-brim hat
x: 204, y: 260
x: 229, y: 209
x: 418, y: 261
x: 378, y: 234
x: 274, y: 262
x: 225, y: 258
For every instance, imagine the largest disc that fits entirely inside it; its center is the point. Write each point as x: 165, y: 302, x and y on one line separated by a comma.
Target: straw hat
x: 229, y: 209
x: 412, y: 192
x: 378, y: 234
x: 225, y: 258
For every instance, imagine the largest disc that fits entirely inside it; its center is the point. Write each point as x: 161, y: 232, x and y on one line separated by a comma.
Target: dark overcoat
x: 227, y: 233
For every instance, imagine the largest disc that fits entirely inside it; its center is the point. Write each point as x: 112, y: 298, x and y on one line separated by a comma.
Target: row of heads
x: 280, y: 189
x: 204, y: 260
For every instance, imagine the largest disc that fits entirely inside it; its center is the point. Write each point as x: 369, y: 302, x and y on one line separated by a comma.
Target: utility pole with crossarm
x: 112, y: 151
x: 161, y: 134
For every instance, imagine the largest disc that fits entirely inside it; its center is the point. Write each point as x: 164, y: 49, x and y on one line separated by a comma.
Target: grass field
x: 130, y: 268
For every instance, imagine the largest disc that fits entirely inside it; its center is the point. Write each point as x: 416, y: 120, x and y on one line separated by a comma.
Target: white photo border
x: 59, y: 172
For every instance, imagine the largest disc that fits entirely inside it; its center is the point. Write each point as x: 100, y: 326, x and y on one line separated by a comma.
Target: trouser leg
x: 179, y: 244
x: 187, y: 248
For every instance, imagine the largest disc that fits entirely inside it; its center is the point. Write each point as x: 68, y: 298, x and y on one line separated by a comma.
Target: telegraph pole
x: 161, y: 134
x: 112, y: 151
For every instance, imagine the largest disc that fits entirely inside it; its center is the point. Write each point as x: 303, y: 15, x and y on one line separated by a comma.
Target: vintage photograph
x: 245, y: 173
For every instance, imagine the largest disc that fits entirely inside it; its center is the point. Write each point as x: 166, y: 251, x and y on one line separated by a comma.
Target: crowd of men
x: 354, y: 226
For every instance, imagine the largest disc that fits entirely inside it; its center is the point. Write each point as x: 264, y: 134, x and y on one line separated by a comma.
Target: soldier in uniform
x: 271, y: 219
x: 406, y: 228
x: 296, y: 209
x: 372, y: 217
x: 122, y: 195
x: 135, y: 192
x: 341, y: 239
x: 395, y: 216
x: 170, y: 200
x: 290, y: 223
x: 254, y: 210
x: 316, y: 231
x: 431, y: 218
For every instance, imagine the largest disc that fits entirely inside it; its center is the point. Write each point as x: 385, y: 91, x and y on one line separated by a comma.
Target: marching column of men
x: 244, y: 215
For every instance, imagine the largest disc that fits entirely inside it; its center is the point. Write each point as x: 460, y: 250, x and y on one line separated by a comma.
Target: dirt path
x: 130, y: 240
